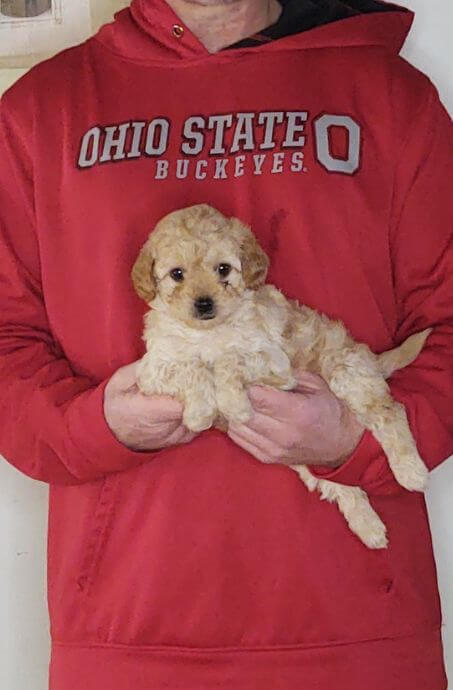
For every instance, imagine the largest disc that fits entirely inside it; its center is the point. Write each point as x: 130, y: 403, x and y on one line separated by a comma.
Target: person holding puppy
x: 200, y: 560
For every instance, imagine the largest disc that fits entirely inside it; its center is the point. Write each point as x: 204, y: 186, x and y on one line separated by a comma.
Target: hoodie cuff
x: 92, y: 436
x: 364, y: 466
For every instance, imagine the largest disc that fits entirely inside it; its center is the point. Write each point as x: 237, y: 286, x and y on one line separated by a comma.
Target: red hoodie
x: 198, y: 567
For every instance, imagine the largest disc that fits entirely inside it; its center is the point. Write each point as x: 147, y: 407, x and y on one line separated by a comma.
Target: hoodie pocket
x: 194, y: 549
x: 101, y: 528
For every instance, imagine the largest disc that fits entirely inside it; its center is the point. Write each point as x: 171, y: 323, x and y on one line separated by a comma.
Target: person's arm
x: 422, y: 255
x: 309, y: 428
x: 53, y: 427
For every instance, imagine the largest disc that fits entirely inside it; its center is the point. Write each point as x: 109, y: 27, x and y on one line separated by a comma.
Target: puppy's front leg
x: 230, y: 386
x: 188, y: 381
x: 200, y: 404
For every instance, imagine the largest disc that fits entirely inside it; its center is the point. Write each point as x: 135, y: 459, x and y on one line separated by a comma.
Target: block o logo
x: 351, y: 163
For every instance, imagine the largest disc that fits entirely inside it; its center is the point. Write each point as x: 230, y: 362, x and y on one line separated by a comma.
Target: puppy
x: 215, y: 329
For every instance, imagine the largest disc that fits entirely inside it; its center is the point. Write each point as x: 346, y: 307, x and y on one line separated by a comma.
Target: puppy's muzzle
x: 204, y: 308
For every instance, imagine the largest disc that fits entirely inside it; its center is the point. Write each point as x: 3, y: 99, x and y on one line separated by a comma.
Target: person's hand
x: 309, y: 425
x: 141, y: 422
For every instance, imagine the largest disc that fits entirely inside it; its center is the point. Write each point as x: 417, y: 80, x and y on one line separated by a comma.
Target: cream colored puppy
x: 215, y: 329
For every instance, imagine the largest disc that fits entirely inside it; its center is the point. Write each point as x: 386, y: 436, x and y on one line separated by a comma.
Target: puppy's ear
x: 142, y: 275
x: 255, y: 262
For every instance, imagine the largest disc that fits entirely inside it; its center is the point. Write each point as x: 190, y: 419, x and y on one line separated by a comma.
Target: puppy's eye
x: 177, y: 274
x: 224, y: 270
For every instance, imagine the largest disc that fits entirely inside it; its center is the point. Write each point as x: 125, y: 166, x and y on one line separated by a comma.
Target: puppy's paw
x: 236, y: 409
x: 145, y: 384
x: 375, y: 537
x: 362, y: 519
x: 370, y: 530
x: 289, y: 383
x: 284, y: 383
x: 198, y: 420
x: 146, y: 375
x: 241, y: 416
x: 412, y: 474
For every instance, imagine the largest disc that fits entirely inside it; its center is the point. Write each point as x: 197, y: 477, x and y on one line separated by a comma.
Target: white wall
x: 24, y: 636
x: 430, y: 48
x: 8, y: 77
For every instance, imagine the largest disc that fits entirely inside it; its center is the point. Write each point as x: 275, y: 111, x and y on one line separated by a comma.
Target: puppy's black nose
x: 204, y: 305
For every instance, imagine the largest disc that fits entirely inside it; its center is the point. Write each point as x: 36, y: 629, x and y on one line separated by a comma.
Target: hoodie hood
x: 146, y: 32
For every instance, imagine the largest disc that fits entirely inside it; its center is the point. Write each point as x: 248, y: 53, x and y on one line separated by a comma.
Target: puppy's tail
x: 404, y: 354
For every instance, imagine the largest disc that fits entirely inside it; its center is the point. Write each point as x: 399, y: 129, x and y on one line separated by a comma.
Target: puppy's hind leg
x: 353, y: 503
x: 368, y: 396
x: 389, y: 424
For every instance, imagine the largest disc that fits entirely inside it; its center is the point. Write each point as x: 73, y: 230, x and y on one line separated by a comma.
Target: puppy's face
x: 199, y: 263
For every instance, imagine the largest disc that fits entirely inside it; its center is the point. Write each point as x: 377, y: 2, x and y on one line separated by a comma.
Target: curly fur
x: 256, y: 336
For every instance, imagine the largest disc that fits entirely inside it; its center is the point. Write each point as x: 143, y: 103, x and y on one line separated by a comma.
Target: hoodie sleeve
x: 421, y: 243
x: 52, y: 422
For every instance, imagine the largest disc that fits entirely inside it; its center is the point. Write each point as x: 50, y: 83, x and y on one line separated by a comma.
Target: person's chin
x: 211, y: 3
